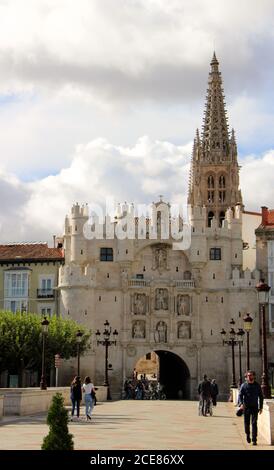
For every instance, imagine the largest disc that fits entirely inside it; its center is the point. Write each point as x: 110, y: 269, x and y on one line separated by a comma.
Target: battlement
x: 72, y: 275
x: 244, y: 278
x: 79, y: 211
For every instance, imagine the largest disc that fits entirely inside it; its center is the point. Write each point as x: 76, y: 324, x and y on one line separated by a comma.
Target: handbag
x: 239, y: 412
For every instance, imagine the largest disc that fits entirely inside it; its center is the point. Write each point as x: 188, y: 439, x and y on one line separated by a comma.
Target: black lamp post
x: 107, y: 342
x: 45, y: 327
x: 263, y: 296
x: 240, y: 334
x: 231, y: 342
x: 248, y: 320
x: 79, y: 335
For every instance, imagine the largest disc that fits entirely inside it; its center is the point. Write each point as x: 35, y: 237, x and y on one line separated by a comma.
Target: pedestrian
x: 251, y: 402
x: 75, y: 395
x: 204, y: 390
x: 88, y: 390
x: 214, y: 392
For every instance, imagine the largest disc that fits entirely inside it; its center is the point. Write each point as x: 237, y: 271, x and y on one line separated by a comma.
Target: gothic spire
x: 215, y: 139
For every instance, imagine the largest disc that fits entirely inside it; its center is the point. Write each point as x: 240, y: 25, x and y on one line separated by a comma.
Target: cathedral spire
x: 215, y: 138
x: 214, y: 173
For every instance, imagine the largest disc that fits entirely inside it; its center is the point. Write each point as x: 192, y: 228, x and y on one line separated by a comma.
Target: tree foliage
x: 58, y: 437
x: 21, y: 340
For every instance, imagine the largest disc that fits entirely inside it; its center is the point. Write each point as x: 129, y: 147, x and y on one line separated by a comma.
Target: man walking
x: 251, y: 402
x: 204, y: 390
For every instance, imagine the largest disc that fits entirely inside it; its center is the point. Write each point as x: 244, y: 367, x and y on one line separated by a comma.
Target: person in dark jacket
x: 251, y: 402
x: 214, y: 392
x: 76, y: 395
x: 204, y: 390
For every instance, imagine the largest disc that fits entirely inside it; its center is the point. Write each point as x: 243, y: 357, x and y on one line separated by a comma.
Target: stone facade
x: 170, y: 301
x: 265, y: 263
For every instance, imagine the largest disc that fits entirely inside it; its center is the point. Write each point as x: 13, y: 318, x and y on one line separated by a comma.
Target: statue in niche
x: 161, y: 332
x: 184, y: 330
x: 139, y: 304
x: 183, y: 304
x: 161, y: 299
x: 138, y: 329
x: 160, y: 259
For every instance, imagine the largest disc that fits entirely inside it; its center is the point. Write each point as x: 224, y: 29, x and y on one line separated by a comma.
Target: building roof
x: 30, y: 251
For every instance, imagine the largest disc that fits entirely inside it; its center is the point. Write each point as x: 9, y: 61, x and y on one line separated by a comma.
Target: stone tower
x: 214, y: 179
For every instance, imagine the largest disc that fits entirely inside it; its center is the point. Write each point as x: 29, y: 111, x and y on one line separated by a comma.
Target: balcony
x: 138, y: 283
x: 185, y: 284
x: 45, y: 293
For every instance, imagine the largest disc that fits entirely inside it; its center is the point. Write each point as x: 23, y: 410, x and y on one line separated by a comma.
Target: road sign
x: 58, y: 360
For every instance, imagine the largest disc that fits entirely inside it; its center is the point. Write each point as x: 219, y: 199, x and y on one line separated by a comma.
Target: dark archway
x: 174, y: 376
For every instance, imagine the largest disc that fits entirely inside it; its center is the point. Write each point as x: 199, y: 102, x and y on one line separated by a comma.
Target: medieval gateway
x: 170, y: 301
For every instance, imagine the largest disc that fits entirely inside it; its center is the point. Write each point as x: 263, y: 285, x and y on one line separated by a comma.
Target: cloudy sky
x: 102, y: 98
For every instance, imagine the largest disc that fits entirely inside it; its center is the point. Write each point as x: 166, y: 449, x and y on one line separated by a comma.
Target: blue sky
x: 82, y: 83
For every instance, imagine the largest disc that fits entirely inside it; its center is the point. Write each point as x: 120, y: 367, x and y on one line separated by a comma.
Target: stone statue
x: 183, y: 305
x: 161, y: 332
x: 138, y: 330
x: 139, y: 304
x: 184, y: 330
x: 160, y: 258
x: 161, y: 299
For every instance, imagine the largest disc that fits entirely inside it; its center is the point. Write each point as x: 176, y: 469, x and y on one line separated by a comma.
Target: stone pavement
x: 138, y: 425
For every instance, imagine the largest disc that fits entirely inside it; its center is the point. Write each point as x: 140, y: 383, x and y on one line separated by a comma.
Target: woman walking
x: 75, y: 395
x: 88, y: 390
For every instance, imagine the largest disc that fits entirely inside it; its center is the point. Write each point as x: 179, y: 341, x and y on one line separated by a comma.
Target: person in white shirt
x: 88, y: 390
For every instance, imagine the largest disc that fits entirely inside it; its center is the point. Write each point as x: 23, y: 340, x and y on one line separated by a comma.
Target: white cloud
x: 99, y: 169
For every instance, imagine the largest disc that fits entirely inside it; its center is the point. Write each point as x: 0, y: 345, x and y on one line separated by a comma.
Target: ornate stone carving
x: 160, y: 258
x: 183, y: 304
x: 161, y: 299
x: 124, y: 278
x: 160, y: 335
x: 138, y: 329
x: 139, y: 304
x: 184, y: 330
x: 131, y: 350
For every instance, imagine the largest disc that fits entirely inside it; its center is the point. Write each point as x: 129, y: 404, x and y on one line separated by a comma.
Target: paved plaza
x: 140, y: 425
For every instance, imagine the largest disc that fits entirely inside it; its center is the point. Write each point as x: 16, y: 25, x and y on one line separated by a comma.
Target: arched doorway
x: 170, y: 370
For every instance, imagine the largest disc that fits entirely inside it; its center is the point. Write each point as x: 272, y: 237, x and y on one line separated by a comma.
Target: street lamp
x: 231, y: 342
x: 248, y: 320
x: 240, y: 334
x: 107, y: 343
x: 263, y: 296
x: 45, y: 327
x: 79, y: 335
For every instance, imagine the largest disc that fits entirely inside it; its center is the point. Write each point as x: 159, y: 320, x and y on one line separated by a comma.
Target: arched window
x: 210, y: 182
x: 209, y: 218
x: 221, y: 218
x: 187, y: 275
x: 222, y: 182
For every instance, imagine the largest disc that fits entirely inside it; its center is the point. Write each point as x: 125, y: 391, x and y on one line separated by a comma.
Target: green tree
x: 21, y: 340
x: 58, y: 437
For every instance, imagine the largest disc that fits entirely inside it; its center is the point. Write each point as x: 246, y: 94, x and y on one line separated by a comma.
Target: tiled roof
x: 30, y: 251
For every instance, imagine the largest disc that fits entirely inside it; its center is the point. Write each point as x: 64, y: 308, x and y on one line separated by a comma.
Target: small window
x: 148, y: 356
x: 215, y: 254
x: 81, y: 252
x: 206, y: 299
x: 144, y: 268
x: 100, y: 298
x: 107, y: 275
x: 213, y: 276
x: 139, y: 276
x: 106, y: 254
x: 177, y: 269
